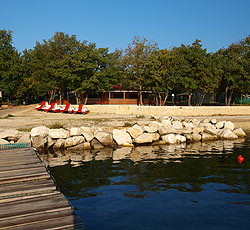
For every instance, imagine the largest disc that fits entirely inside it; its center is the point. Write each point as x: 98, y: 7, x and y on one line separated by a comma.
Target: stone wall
x: 170, y: 110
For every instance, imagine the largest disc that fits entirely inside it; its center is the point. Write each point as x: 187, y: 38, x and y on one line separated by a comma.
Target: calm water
x: 199, y: 186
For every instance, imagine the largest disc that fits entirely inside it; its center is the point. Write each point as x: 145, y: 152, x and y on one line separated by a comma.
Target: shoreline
x: 26, y: 117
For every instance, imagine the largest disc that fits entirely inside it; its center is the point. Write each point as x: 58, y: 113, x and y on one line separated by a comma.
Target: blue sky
x: 114, y: 23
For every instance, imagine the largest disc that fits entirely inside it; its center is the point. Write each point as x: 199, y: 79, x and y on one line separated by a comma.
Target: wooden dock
x: 29, y: 198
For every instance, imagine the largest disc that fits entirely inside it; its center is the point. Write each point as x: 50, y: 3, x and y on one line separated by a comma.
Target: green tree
x: 10, y: 77
x: 135, y: 61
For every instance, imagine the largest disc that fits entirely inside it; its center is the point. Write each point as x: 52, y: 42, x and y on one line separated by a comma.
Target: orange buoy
x: 240, y: 159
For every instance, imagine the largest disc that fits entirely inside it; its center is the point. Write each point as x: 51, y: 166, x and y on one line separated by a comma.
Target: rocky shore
x: 160, y: 131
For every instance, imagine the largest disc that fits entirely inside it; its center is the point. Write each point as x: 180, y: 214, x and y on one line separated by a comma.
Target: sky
x: 114, y: 23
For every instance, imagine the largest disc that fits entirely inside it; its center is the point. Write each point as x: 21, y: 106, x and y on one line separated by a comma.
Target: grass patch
x: 8, y: 116
x: 128, y: 124
x: 56, y: 125
x: 27, y: 130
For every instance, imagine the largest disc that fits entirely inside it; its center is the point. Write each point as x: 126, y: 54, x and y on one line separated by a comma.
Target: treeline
x: 64, y: 63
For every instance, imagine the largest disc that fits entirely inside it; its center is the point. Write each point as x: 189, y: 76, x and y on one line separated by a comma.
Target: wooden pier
x: 29, y: 198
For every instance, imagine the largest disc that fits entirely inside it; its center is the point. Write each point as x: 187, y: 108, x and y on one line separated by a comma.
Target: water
x: 200, y: 186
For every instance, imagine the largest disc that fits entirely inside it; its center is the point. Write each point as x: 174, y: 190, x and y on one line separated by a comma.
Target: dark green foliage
x: 63, y: 64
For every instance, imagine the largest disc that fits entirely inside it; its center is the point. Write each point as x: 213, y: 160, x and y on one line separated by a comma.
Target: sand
x: 26, y: 117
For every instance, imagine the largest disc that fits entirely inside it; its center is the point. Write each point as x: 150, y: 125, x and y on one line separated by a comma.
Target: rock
x: 95, y: 144
x: 76, y: 147
x: 166, y: 122
x: 239, y: 132
x: 104, y: 138
x: 86, y: 132
x: 72, y: 141
x: 135, y: 131
x: 51, y: 142
x: 39, y: 142
x: 86, y: 145
x: 3, y: 142
x: 208, y: 137
x: 155, y: 136
x: 39, y: 131
x: 193, y: 137
x: 188, y: 125
x: 220, y: 125
x: 180, y: 138
x: 151, y: 128
x: 205, y: 121
x: 58, y: 133
x: 144, y: 138
x: 10, y: 135
x: 228, y: 134
x: 169, y: 138
x: 198, y: 130
x: 213, y: 121
x: 25, y: 138
x: 59, y: 144
x: 163, y: 130
x: 229, y: 125
x: 177, y: 125
x: 121, y: 137
x: 75, y: 131
x: 211, y: 130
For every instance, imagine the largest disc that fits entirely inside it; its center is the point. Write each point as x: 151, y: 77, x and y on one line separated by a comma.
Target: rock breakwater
x: 166, y: 130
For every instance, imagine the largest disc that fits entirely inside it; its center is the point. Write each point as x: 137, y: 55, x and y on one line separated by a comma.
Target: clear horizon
x: 113, y: 24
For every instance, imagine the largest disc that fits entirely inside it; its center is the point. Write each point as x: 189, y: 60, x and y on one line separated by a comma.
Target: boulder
x: 10, y: 135
x: 58, y: 133
x: 220, y: 125
x: 151, y: 128
x: 228, y: 134
x: 39, y: 131
x: 104, y: 138
x: 239, y: 132
x: 180, y: 138
x: 166, y: 122
x: 213, y: 121
x: 208, y: 137
x: 211, y: 130
x: 169, y: 138
x: 50, y: 142
x: 155, y: 136
x: 95, y: 144
x: 188, y: 125
x: 86, y: 132
x: 144, y: 138
x: 135, y: 131
x: 72, y: 141
x: 86, y: 145
x: 25, y: 138
x: 3, y: 142
x: 198, y: 130
x: 121, y: 137
x: 193, y: 137
x: 39, y: 142
x: 75, y: 131
x: 177, y: 125
x: 229, y: 125
x: 59, y: 144
x: 163, y: 130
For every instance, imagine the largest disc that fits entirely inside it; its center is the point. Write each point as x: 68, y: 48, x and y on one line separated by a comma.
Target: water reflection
x: 163, y: 153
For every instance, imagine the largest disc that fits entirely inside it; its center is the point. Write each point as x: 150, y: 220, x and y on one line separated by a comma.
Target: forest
x: 63, y: 63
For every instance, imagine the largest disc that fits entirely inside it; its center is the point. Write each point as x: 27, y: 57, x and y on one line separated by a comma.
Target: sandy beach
x: 26, y: 117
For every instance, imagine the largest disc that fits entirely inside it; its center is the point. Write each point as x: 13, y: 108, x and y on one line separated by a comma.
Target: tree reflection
x: 152, y: 169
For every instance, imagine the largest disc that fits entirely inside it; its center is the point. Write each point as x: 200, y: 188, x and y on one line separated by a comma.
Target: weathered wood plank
x: 22, y: 221
x: 28, y: 196
x: 33, y: 206
x: 27, y: 187
x: 21, y: 166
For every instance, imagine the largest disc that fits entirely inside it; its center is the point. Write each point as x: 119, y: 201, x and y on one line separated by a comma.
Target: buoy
x: 240, y: 159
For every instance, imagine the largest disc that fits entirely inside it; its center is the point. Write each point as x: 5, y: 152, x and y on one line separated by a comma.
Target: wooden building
x: 119, y: 96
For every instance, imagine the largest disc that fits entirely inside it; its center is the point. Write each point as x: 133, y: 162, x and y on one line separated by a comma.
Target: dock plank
x: 28, y: 195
